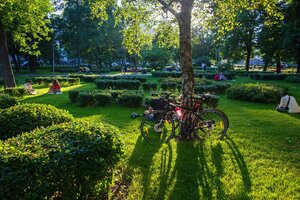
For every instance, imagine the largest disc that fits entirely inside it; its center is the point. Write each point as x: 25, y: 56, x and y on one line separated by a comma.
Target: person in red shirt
x: 55, y: 87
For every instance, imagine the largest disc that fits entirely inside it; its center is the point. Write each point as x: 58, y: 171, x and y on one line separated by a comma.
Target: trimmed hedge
x: 125, y: 77
x: 255, y: 92
x: 7, y: 101
x: 64, y: 81
x: 67, y: 161
x: 94, y: 99
x: 149, y: 86
x: 15, y: 92
x: 118, y: 84
x: 293, y: 79
x: 266, y: 76
x: 131, y: 99
x: 26, y: 117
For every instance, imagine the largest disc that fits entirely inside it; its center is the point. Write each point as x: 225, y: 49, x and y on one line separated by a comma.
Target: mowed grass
x: 259, y: 159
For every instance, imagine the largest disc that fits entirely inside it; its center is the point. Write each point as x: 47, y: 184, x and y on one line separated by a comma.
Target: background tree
x: 291, y: 28
x: 28, y: 25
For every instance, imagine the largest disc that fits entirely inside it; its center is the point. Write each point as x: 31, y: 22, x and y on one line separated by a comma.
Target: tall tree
x: 292, y: 31
x: 143, y: 16
x: 22, y: 19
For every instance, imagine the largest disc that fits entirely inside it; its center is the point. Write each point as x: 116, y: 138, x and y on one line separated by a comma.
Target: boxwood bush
x: 16, y: 92
x: 73, y: 160
x: 64, y: 81
x: 267, y: 76
x: 73, y: 95
x: 26, y: 117
x: 255, y: 92
x: 293, y: 79
x: 149, y: 86
x: 132, y: 99
x: 7, y: 101
x: 118, y: 84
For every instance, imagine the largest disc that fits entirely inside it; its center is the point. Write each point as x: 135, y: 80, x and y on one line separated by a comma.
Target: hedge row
x: 15, y: 92
x: 7, y: 101
x: 125, y: 77
x: 73, y: 160
x: 293, y: 79
x: 64, y: 81
x: 26, y: 117
x: 149, y: 86
x: 118, y: 84
x: 101, y: 98
x: 263, y: 76
x: 218, y: 88
x: 255, y: 92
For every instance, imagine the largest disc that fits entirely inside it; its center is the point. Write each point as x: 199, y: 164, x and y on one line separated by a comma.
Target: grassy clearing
x: 259, y: 159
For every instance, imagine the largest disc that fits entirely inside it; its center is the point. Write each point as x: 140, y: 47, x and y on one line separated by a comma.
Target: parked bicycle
x: 161, y: 125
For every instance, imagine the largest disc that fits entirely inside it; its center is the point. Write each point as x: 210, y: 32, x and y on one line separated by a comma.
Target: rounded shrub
x: 7, y: 101
x: 255, y: 92
x: 73, y: 95
x: 130, y: 99
x: 26, y: 117
x: 72, y: 160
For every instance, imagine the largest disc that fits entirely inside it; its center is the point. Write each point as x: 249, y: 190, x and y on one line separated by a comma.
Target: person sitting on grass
x: 288, y: 104
x: 54, y: 87
x: 28, y: 87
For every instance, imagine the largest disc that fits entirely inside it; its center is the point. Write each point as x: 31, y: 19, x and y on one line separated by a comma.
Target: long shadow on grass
x: 199, y: 169
x: 143, y: 156
x: 241, y: 163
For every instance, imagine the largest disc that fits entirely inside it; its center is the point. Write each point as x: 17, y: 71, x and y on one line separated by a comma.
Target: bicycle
x: 159, y: 125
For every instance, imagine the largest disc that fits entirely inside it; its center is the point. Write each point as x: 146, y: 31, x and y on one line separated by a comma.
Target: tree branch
x: 167, y: 6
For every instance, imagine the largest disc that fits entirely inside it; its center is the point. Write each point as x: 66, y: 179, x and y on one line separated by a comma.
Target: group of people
x: 55, y: 87
x: 220, y: 77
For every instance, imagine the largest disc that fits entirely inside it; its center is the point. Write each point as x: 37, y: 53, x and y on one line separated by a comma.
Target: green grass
x: 259, y: 159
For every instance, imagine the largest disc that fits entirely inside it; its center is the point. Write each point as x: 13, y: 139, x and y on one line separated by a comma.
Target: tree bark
x: 184, y: 20
x: 186, y: 54
x: 9, y: 79
x: 249, y: 50
x: 278, y: 63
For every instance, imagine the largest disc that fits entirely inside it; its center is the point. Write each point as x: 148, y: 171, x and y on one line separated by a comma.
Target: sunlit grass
x: 259, y: 159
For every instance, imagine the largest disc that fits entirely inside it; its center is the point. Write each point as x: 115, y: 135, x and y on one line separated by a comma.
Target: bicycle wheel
x: 224, y: 116
x: 210, y: 123
x: 157, y: 126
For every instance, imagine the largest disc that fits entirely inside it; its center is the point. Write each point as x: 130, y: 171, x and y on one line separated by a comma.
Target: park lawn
x: 259, y: 159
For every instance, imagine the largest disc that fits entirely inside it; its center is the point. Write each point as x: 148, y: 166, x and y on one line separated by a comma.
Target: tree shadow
x: 142, y: 158
x: 241, y: 164
x: 199, y: 169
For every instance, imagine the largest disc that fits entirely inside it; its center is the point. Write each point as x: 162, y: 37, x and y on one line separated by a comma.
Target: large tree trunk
x: 298, y: 57
x: 278, y: 63
x: 9, y: 79
x: 249, y: 49
x: 184, y: 20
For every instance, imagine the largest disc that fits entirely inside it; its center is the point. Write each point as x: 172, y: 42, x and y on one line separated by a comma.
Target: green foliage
x: 7, y: 101
x: 264, y: 76
x: 73, y: 95
x: 64, y: 81
x: 68, y: 161
x: 131, y: 99
x: 293, y: 79
x: 27, y: 24
x: 166, y: 74
x: 118, y: 84
x: 15, y: 92
x: 217, y: 88
x: 255, y: 92
x: 170, y: 86
x: 26, y: 117
x: 149, y: 86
